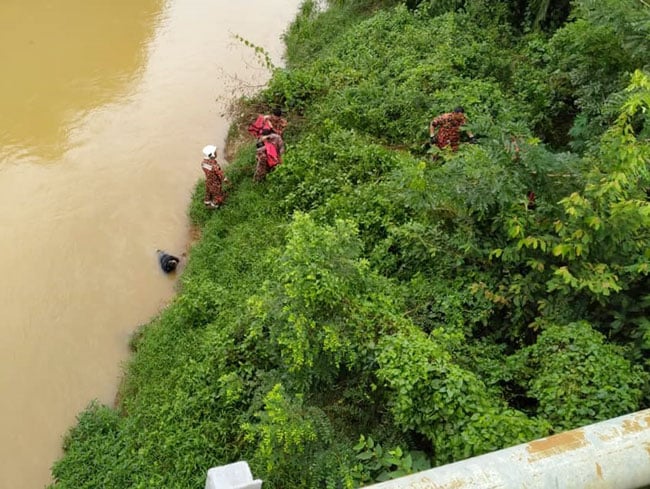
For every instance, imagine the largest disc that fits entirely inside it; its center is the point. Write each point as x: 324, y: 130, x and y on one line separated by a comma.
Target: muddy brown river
x: 104, y: 108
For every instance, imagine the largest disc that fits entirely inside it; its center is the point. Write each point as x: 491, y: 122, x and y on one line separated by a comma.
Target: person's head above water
x: 167, y: 262
x: 210, y: 151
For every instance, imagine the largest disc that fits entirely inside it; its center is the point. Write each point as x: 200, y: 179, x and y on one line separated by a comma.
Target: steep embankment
x: 376, y: 306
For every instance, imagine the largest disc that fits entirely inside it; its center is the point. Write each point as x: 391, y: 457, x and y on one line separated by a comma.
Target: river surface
x: 104, y: 108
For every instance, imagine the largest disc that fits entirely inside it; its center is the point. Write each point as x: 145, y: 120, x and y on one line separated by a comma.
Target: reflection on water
x: 63, y: 58
x: 104, y: 108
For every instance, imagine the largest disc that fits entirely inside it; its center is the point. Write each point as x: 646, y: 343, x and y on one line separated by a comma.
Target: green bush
x: 576, y: 377
x: 96, y: 455
x: 449, y: 405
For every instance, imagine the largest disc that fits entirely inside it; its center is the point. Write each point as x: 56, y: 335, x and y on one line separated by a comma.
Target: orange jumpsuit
x: 214, y: 176
x: 277, y: 122
x: 262, y: 167
x: 448, y: 126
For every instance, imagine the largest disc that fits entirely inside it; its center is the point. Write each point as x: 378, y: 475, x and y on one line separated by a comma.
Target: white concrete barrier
x: 613, y: 454
x: 232, y: 476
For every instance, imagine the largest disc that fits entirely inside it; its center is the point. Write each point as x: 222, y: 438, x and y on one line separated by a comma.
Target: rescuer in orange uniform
x: 448, y: 126
x: 214, y: 178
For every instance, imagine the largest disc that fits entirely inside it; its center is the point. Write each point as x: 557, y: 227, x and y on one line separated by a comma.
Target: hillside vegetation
x: 376, y: 307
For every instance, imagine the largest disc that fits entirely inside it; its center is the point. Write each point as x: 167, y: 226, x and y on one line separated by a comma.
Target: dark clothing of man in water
x: 168, y: 262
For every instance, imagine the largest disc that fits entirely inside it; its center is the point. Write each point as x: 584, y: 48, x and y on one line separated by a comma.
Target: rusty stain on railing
x: 562, y: 442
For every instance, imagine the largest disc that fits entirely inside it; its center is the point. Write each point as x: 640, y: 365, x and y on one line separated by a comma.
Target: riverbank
x: 367, y: 311
x: 98, y: 161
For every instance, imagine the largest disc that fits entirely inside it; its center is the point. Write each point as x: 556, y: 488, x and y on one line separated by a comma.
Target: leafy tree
x: 576, y: 377
x: 449, y: 405
x: 630, y: 19
x: 327, y: 308
x: 292, y: 441
x: 602, y: 239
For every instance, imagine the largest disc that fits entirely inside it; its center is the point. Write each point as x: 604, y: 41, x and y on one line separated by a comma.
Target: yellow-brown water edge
x: 104, y: 108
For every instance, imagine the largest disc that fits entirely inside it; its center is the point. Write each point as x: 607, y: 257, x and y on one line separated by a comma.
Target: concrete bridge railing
x: 613, y: 454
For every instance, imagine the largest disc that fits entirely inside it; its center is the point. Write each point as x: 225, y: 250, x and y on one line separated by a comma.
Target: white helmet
x: 210, y: 150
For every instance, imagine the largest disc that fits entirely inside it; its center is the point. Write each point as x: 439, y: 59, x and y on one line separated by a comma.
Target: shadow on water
x: 62, y: 59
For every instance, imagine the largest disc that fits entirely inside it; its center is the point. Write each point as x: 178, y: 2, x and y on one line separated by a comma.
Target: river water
x: 104, y: 108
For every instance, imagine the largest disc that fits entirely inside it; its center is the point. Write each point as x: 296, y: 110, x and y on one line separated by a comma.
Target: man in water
x: 168, y: 262
x: 214, y: 178
x: 448, y: 126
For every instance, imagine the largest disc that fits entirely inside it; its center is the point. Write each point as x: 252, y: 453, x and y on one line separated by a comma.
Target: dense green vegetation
x: 372, y: 310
